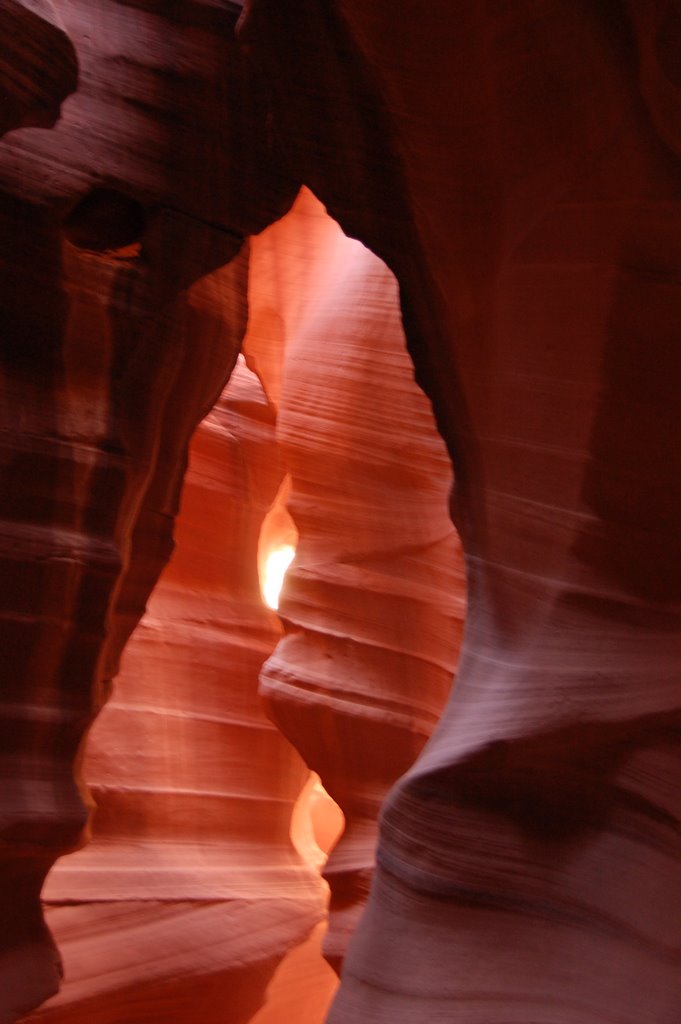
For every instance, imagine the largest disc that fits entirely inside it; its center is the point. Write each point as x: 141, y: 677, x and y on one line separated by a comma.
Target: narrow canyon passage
x: 503, y: 187
x: 517, y: 167
x: 196, y: 792
x: 374, y: 602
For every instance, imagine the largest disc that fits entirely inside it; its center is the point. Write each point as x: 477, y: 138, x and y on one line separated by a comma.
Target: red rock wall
x: 190, y: 892
x: 120, y: 323
x: 516, y: 165
x: 373, y: 603
x: 194, y: 789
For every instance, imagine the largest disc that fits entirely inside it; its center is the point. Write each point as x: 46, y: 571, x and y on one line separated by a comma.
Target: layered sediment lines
x: 190, y: 892
x: 374, y: 601
x: 517, y: 168
x: 121, y: 319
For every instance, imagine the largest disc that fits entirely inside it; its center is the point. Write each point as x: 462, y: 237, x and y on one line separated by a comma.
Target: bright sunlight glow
x: 276, y: 565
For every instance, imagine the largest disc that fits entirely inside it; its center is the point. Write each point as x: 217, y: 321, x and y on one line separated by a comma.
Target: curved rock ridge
x: 121, y: 319
x: 374, y: 601
x: 517, y: 167
x: 190, y: 891
x: 38, y: 64
x: 79, y: 458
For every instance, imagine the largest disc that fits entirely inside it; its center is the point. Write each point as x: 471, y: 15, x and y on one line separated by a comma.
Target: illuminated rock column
x: 373, y: 603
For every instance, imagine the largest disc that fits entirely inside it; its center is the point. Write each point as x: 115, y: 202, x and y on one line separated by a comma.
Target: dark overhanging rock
x: 38, y: 64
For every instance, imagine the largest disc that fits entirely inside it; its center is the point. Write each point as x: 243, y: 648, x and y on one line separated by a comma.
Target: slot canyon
x: 340, y: 552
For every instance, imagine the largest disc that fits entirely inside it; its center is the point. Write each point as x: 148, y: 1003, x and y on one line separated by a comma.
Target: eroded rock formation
x: 373, y: 604
x: 517, y: 167
x: 189, y: 892
x: 121, y: 319
x: 190, y: 844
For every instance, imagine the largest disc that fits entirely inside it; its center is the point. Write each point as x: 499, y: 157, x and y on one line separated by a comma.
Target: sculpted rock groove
x: 189, y: 891
x: 109, y: 358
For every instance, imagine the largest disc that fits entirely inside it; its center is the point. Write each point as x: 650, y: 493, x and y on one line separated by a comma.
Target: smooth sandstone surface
x: 517, y: 167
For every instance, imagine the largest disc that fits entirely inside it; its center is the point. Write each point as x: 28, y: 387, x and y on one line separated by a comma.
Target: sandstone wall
x: 122, y: 316
x: 516, y: 166
x: 374, y: 602
x: 190, y: 892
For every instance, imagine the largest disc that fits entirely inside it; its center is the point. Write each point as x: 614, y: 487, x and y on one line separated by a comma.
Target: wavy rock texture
x: 373, y: 604
x: 116, y: 299
x: 190, y: 891
x: 517, y: 166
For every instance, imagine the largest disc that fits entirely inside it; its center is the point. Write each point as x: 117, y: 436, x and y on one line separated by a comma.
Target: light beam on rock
x: 276, y: 564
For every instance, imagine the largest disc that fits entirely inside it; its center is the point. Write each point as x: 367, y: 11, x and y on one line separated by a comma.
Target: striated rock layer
x: 121, y: 319
x: 190, y: 892
x: 373, y: 603
x: 517, y: 167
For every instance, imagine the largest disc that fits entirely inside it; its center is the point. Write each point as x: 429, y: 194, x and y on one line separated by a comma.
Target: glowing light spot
x: 276, y: 565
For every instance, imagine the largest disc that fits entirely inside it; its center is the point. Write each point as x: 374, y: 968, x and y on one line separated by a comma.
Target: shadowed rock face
x: 38, y: 64
x: 122, y: 302
x: 516, y: 165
